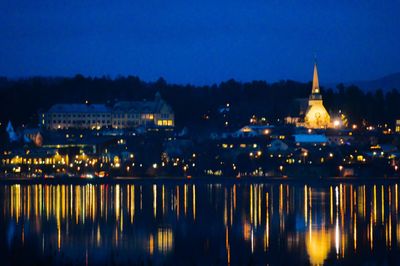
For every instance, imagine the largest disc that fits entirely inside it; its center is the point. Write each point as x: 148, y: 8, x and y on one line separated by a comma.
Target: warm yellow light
x: 318, y: 245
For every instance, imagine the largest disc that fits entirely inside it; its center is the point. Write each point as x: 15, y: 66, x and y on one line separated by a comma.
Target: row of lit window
x: 124, y: 115
x: 20, y: 160
x: 76, y: 122
x: 225, y: 146
x: 164, y: 123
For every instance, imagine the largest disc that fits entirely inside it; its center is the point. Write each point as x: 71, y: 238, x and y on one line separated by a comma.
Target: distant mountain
x: 385, y: 83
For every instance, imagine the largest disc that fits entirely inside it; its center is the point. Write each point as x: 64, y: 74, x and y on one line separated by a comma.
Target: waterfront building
x: 123, y: 115
x: 316, y: 114
x: 131, y: 114
x: 77, y: 116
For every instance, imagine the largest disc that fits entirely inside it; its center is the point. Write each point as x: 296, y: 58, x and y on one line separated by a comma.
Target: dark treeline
x: 21, y: 100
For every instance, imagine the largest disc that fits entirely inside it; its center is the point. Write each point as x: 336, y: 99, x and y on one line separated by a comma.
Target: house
x: 277, y: 146
x: 253, y: 131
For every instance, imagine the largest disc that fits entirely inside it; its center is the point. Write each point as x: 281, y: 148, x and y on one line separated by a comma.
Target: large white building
x: 145, y: 113
x: 123, y: 115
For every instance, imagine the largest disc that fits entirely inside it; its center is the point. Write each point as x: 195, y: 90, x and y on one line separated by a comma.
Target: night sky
x: 202, y: 41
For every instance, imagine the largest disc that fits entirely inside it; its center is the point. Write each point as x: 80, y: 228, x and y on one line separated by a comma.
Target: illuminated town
x: 139, y: 139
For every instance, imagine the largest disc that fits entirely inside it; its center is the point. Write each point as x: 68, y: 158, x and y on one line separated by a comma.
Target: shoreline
x: 198, y: 180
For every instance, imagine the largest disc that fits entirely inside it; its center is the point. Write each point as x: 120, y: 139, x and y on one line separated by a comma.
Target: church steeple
x: 316, y: 114
x: 315, y: 83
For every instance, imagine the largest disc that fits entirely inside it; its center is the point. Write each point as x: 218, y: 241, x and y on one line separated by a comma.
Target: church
x: 316, y: 115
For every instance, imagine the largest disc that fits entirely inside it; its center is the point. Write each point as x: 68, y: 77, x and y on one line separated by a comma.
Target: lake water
x: 200, y: 224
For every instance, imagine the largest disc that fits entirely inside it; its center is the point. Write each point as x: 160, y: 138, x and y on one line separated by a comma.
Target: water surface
x: 199, y: 224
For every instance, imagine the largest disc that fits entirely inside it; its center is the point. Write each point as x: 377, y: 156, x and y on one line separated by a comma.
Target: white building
x: 123, y: 115
x: 79, y: 116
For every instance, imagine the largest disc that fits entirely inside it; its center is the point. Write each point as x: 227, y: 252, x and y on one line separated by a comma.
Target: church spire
x: 315, y: 83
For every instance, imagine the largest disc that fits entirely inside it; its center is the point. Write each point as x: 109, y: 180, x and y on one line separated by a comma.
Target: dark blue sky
x: 201, y: 41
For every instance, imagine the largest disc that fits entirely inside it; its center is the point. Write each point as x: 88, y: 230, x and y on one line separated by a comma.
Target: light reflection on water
x: 199, y: 224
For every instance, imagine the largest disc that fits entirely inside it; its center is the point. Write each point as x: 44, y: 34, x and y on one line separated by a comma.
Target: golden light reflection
x: 331, y: 203
x: 185, y: 189
x: 164, y: 240
x: 350, y: 219
x: 382, y: 204
x: 132, y: 202
x: 117, y: 202
x: 163, y: 199
x: 266, y: 233
x: 225, y: 207
x: 234, y: 197
x: 397, y: 198
x: 227, y: 246
x: 151, y: 244
x: 305, y: 204
x: 246, y: 230
x: 337, y: 230
x: 374, y: 210
x: 318, y: 245
x: 155, y: 201
x: 251, y: 204
x: 177, y: 202
x: 194, y: 201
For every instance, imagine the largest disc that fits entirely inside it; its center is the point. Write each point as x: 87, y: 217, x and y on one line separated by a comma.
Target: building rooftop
x: 137, y: 106
x: 79, y: 108
x: 310, y: 138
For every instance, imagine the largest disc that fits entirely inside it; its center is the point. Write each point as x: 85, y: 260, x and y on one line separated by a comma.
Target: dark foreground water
x: 202, y: 224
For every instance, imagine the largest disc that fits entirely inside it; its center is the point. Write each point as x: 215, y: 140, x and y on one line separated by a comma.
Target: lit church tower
x: 316, y: 114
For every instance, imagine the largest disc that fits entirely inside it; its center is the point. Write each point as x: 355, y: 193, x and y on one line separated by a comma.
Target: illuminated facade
x: 398, y: 126
x: 142, y: 113
x: 316, y: 114
x: 122, y: 115
x: 77, y: 116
